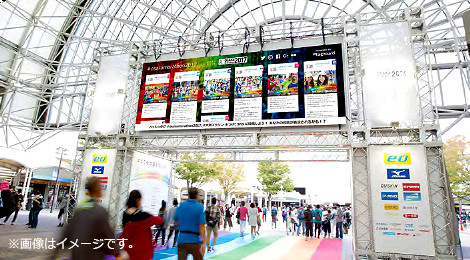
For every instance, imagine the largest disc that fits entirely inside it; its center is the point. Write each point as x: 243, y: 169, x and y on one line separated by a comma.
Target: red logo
x: 403, y: 234
x: 411, y: 187
x: 424, y: 230
x: 410, y: 215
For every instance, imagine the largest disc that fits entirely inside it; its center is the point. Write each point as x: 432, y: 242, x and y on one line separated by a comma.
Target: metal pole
x: 28, y: 182
x: 56, y: 188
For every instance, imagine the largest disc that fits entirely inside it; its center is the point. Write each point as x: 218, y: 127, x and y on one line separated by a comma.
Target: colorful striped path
x: 225, y: 237
x: 248, y: 249
x: 330, y: 249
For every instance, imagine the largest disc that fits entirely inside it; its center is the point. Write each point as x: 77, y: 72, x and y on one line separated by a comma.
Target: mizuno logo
x: 398, y: 174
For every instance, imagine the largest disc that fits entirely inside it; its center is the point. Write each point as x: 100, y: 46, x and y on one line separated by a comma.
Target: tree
x: 194, y: 170
x: 228, y: 175
x: 274, y: 178
x: 458, y: 166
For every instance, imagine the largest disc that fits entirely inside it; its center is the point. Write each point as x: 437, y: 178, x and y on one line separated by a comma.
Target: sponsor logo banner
x: 391, y: 207
x: 397, y: 159
x: 100, y: 158
x: 389, y: 233
x: 411, y: 187
x: 389, y: 186
x: 398, y: 174
x: 412, y: 196
x: 97, y: 169
x: 410, y: 215
x: 389, y: 195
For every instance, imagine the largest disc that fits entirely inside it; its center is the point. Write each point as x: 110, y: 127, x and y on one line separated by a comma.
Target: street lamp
x: 62, y: 151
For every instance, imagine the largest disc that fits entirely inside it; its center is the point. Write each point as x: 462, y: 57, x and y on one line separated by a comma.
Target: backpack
x: 348, y: 215
x: 209, y: 220
x: 300, y: 214
x: 308, y: 215
x: 317, y: 215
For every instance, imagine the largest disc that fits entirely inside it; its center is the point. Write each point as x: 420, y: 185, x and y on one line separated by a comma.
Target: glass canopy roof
x: 47, y: 46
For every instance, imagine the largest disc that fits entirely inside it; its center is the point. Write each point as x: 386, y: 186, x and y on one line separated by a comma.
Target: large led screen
x: 288, y: 87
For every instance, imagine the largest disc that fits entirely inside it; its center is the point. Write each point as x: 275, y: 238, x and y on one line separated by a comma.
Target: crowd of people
x: 186, y: 90
x: 216, y: 87
x: 192, y: 229
x: 248, y: 84
x: 313, y: 221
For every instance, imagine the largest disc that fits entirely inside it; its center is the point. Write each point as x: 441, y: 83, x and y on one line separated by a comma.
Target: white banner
x: 401, y: 211
x: 151, y: 176
x: 231, y: 124
x: 389, y: 81
x: 108, y: 99
x: 98, y: 163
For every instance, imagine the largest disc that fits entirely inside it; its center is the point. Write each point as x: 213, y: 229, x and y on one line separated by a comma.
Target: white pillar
x: 205, y: 199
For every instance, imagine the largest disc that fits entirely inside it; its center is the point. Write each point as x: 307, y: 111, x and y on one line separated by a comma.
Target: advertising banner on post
x: 151, y: 176
x: 285, y: 87
x: 389, y: 81
x: 401, y: 211
x: 109, y: 96
x: 98, y: 163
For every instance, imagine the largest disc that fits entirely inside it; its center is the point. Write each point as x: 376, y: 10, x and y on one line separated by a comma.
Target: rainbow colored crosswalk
x: 230, y: 246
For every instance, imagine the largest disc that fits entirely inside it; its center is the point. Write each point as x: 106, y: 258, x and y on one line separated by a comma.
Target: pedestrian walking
x: 89, y: 224
x: 242, y: 215
x: 136, y: 228
x: 317, y: 215
x: 308, y: 218
x: 8, y: 204
x: 339, y: 223
x: 38, y: 205
x: 190, y: 223
x: 274, y: 217
x: 17, y: 200
x: 228, y: 217
x: 253, y: 219
x: 161, y: 228
x: 171, y: 224
x: 326, y: 219
x: 212, y: 220
x: 265, y: 212
x: 301, y: 221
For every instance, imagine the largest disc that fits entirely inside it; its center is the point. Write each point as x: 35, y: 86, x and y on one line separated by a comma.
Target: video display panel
x: 287, y: 87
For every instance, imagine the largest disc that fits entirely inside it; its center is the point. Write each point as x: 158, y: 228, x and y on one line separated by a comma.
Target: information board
x: 151, y: 176
x: 287, y: 87
x: 401, y: 210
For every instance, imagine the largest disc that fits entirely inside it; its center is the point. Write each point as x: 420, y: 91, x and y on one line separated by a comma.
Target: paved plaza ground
x: 272, y: 244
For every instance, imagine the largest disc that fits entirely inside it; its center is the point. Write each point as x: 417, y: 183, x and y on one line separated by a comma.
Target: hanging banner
x: 109, y: 95
x: 258, y: 89
x: 389, y: 81
x: 151, y: 176
x: 98, y: 163
x: 401, y: 210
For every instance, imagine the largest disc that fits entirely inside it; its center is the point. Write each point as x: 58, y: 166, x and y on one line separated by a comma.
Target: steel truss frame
x: 443, y: 216
x: 319, y: 144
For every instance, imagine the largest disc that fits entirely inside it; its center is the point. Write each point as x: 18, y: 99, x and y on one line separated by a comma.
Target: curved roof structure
x: 47, y: 46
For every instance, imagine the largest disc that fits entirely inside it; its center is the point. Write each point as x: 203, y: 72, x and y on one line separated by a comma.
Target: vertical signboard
x: 389, y: 80
x: 400, y: 200
x: 151, y: 176
x: 98, y: 163
x: 108, y: 99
